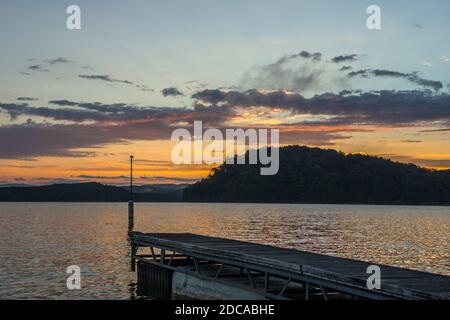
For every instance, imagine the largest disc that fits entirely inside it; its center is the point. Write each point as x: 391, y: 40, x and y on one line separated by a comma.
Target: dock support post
x: 162, y: 256
x: 250, y: 278
x: 266, y: 282
x: 288, y: 281
x: 324, y: 293
x: 133, y: 257
x: 306, y: 290
x: 218, y: 271
x: 130, y: 215
x: 197, y: 268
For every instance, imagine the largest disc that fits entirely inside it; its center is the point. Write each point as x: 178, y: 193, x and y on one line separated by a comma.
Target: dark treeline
x: 313, y: 175
x: 82, y: 192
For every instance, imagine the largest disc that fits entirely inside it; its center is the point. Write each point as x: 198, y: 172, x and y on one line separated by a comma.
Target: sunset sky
x: 74, y: 104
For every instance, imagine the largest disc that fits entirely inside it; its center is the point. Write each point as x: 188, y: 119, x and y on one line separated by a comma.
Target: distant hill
x: 157, y: 188
x: 87, y: 192
x: 313, y: 175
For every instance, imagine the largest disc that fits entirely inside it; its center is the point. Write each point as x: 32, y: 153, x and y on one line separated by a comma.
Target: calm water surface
x: 38, y: 241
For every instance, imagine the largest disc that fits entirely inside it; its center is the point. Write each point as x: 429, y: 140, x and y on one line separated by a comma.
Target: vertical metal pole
x: 131, y: 178
x: 131, y: 202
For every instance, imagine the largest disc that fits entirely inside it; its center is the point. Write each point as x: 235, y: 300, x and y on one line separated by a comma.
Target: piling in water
x: 130, y: 215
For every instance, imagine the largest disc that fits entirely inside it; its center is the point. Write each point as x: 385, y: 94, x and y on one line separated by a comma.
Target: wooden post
x: 133, y: 259
x: 306, y: 290
x: 130, y: 215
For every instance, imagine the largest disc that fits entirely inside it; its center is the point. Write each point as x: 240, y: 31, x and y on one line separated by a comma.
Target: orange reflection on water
x: 39, y: 241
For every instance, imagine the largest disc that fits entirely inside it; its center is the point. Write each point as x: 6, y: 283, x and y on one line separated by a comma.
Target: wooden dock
x: 272, y: 272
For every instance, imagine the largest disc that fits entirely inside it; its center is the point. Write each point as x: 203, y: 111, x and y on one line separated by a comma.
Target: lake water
x: 38, y: 241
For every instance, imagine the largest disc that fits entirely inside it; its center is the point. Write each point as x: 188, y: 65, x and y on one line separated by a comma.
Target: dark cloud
x: 124, y: 112
x: 65, y: 103
x: 433, y: 163
x: 105, y: 78
x: 108, y: 78
x: 430, y: 163
x: 85, y: 176
x: 376, y: 107
x: 412, y: 141
x: 37, y: 67
x: 17, y: 166
x: 22, y: 141
x: 165, y: 178
x: 93, y: 125
x: 49, y: 181
x: 349, y: 92
x: 28, y: 141
x: 365, y: 73
x: 171, y: 92
x: 114, y: 123
x: 436, y: 130
x: 144, y: 88
x: 411, y: 77
x: 118, y: 112
x: 15, y: 110
x: 215, y: 107
x: 34, y: 67
x: 153, y: 162
x: 27, y: 99
x: 345, y: 68
x: 317, y: 56
x: 41, y: 65
x: 25, y: 166
x: 59, y: 60
x: 345, y: 58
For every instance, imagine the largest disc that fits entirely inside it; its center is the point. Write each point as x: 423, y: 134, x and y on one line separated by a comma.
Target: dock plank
x: 403, y: 283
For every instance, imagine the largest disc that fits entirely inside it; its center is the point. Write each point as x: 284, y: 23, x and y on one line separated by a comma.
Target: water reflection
x: 39, y: 241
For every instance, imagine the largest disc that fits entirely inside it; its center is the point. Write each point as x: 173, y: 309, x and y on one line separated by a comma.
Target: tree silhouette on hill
x: 314, y: 175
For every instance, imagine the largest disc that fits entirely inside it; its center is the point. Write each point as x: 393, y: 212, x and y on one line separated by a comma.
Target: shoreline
x: 247, y: 203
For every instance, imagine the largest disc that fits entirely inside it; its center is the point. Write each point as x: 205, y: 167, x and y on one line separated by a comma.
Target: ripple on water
x: 39, y: 241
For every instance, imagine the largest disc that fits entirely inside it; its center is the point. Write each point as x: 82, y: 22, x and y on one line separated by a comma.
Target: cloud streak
x: 93, y: 125
x: 105, y: 78
x: 59, y: 60
x: 411, y: 77
x: 345, y: 58
x: 37, y: 67
x: 171, y: 92
x: 377, y: 107
x: 27, y: 99
x: 115, y: 123
x: 108, y: 78
x: 282, y: 92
